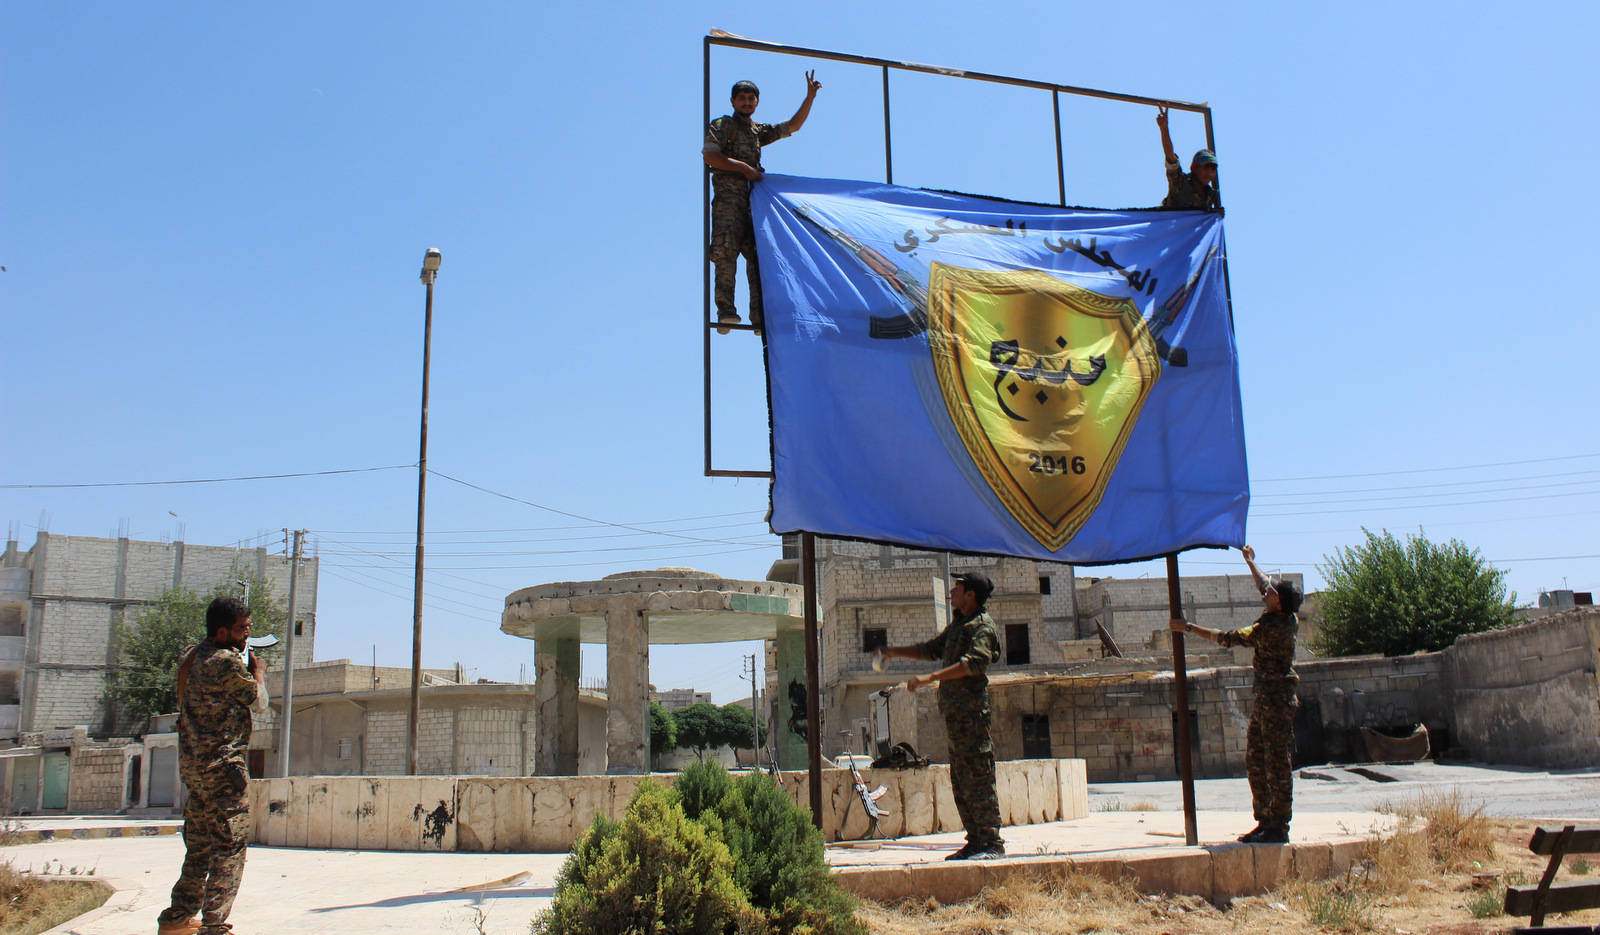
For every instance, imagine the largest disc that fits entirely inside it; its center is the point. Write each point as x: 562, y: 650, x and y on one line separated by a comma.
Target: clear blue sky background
x: 213, y: 217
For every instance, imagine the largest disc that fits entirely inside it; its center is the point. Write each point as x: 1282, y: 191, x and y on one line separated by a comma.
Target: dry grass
x: 31, y: 904
x: 1125, y: 805
x: 1447, y: 880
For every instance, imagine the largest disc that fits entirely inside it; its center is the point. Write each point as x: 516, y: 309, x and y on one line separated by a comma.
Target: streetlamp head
x: 430, y: 264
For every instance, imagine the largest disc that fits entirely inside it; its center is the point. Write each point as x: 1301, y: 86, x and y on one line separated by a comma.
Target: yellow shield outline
x: 1128, y: 355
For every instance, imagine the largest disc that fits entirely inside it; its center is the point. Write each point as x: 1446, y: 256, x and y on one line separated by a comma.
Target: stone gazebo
x: 627, y: 612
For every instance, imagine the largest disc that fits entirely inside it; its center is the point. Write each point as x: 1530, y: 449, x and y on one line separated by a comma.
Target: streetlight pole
x: 430, y: 271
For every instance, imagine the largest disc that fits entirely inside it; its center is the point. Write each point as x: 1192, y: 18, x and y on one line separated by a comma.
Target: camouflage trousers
x: 1269, y: 757
x: 733, y: 236
x: 972, y: 779
x: 216, y: 830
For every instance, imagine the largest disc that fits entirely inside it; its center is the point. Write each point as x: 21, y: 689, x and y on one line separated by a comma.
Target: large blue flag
x: 959, y: 373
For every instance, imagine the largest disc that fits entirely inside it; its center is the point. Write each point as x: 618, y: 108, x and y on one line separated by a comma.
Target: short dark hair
x: 978, y: 583
x: 224, y: 612
x: 1289, y: 596
x: 739, y: 86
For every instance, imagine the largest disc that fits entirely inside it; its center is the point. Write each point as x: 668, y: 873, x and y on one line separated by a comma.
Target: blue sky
x: 213, y: 217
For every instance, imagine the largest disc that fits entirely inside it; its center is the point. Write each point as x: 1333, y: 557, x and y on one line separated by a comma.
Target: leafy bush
x: 1386, y: 597
x: 778, y: 860
x: 654, y: 871
x: 701, y: 786
x: 711, y: 854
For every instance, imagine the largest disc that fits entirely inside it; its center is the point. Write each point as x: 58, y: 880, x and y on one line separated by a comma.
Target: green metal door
x: 55, y: 781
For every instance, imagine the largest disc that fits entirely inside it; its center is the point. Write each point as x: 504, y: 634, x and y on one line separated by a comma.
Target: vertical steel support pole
x: 808, y: 575
x: 1061, y: 169
x: 422, y: 499
x: 1191, y: 833
x: 705, y: 246
x: 1227, y: 284
x: 888, y: 149
x: 286, y: 722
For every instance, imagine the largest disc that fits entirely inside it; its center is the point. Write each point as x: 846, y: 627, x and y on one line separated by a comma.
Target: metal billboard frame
x: 718, y: 38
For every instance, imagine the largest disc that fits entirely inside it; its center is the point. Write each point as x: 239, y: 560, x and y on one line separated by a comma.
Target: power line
x: 204, y: 480
x: 1463, y: 467
x: 1456, y: 483
x: 587, y: 519
x: 1453, y: 493
x: 1429, y: 506
x: 447, y: 532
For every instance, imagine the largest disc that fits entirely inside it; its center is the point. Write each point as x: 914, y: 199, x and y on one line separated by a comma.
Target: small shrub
x: 701, y: 786
x: 654, y: 871
x: 1457, y: 833
x: 1345, y: 905
x: 778, y: 860
x: 1580, y: 867
x: 1487, y: 903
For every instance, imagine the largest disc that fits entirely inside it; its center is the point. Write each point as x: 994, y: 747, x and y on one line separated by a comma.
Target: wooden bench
x: 1538, y: 901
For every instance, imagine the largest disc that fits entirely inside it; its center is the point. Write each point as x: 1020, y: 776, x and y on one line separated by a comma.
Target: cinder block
x: 1175, y: 873
x: 1233, y: 872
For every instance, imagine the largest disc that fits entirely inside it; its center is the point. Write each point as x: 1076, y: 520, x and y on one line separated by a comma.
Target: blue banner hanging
x: 958, y: 373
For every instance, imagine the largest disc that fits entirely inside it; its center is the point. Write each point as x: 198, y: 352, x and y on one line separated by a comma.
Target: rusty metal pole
x: 808, y: 575
x: 1191, y: 832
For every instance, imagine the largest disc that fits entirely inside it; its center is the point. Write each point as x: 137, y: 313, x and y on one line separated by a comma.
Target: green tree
x: 741, y: 727
x: 153, y: 642
x: 705, y: 726
x: 663, y: 730
x: 1385, y: 596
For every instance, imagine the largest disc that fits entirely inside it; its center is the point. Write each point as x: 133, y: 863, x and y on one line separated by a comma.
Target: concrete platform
x: 1146, y: 845
x: 289, y: 890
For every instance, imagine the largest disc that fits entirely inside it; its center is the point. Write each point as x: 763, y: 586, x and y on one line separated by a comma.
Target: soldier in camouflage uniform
x: 1269, y: 754
x: 732, y: 151
x: 216, y: 694
x: 1196, y: 190
x: 966, y: 647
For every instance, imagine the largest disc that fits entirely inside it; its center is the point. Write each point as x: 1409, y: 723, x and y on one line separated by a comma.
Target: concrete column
x: 791, y: 670
x: 555, y: 691
x: 627, y: 692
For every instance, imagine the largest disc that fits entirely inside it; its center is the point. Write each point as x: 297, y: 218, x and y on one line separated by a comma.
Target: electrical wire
x: 205, y: 480
x: 1463, y: 467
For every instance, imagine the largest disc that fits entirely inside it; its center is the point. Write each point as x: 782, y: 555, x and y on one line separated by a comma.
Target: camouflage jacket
x: 970, y: 640
x: 1272, y: 637
x: 1187, y: 193
x: 214, y: 714
x: 741, y: 138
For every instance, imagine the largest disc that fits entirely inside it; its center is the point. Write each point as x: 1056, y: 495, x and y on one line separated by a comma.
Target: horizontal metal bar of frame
x: 759, y: 46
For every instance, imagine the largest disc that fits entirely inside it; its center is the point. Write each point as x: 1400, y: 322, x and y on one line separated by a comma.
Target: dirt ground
x: 1449, y: 880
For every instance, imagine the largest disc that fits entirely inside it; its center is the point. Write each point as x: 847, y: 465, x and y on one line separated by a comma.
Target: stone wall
x: 546, y: 814
x: 1527, y: 694
x: 1121, y: 724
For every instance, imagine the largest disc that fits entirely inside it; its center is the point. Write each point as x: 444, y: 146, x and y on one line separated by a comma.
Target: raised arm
x: 799, y: 118
x: 1250, y: 559
x: 1166, y: 137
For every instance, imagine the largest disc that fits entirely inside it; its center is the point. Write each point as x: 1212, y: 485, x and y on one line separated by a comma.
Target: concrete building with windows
x: 61, y: 602
x: 63, y: 746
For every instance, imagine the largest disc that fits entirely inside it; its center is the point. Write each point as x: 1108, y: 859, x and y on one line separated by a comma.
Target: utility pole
x: 286, y: 721
x: 755, y: 718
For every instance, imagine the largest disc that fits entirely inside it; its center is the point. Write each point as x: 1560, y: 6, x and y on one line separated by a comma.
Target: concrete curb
x: 86, y: 834
x: 1217, y: 872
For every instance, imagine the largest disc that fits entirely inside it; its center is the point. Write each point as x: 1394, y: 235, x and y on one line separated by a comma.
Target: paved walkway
x: 289, y: 890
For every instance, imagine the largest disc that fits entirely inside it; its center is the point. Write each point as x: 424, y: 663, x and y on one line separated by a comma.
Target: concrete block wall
x: 1528, y: 694
x: 97, y: 779
x: 547, y: 814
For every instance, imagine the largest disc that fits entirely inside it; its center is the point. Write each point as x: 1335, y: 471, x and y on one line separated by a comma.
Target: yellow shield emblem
x: 1044, y: 381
